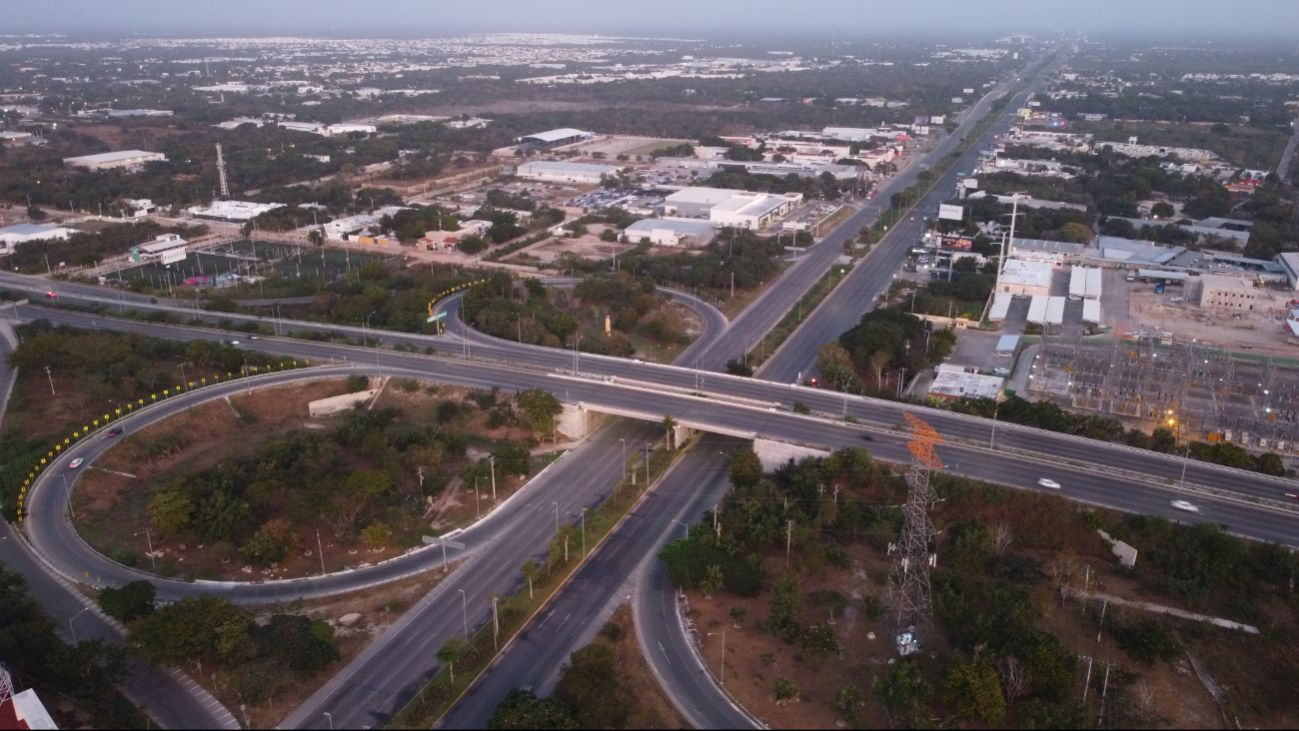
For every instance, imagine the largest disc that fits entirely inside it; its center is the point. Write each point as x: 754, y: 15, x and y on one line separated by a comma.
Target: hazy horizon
x: 1114, y: 19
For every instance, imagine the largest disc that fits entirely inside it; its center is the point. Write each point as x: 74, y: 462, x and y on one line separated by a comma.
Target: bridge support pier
x: 775, y: 454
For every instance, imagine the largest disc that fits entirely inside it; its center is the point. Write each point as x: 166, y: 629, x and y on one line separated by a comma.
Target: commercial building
x: 671, y: 231
x: 565, y: 172
x: 124, y: 159
x: 555, y: 137
x: 166, y: 249
x: 231, y: 211
x: 1290, y: 266
x: 12, y: 236
x: 729, y: 207
x: 1232, y: 293
x: 1026, y: 278
x: 329, y: 130
x: 955, y: 382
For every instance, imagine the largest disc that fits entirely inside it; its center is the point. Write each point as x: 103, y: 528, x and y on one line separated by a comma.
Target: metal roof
x: 556, y: 135
x: 567, y: 167
x: 113, y: 156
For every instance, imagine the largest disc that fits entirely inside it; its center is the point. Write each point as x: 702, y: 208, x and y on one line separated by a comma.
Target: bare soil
x: 1256, y: 331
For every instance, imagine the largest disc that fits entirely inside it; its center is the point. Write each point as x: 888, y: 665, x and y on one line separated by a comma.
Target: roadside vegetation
x: 77, y: 683
x: 813, y: 644
x: 641, y: 319
x: 257, y: 490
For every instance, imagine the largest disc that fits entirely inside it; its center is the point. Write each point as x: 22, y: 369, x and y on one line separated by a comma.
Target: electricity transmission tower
x: 908, y: 589
x: 221, y: 173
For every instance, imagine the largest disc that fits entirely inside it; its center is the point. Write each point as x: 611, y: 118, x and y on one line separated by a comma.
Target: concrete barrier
x: 335, y: 404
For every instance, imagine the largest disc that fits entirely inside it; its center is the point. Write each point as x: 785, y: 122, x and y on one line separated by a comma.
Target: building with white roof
x: 12, y: 236
x: 1232, y: 293
x: 231, y: 211
x: 1290, y: 265
x: 730, y: 207
x: 955, y: 382
x: 566, y: 172
x: 555, y: 137
x: 122, y: 159
x: 671, y: 231
x: 1026, y: 278
x: 166, y: 249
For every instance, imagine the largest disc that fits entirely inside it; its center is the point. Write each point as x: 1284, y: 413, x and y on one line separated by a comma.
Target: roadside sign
x: 437, y: 317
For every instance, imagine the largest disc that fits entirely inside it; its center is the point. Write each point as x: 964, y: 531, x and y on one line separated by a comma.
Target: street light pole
x: 74, y: 629
x: 464, y: 613
x: 721, y: 678
x: 993, y: 438
x: 556, y: 515
x: 331, y: 719
x: 576, y: 362
x: 492, y: 461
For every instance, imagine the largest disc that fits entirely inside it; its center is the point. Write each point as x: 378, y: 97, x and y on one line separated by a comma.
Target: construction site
x: 1198, y: 392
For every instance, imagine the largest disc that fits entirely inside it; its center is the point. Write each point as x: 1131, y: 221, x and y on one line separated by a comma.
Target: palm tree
x: 668, y: 424
x: 450, y: 653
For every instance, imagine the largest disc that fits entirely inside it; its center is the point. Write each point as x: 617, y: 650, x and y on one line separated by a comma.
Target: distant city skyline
x: 406, y: 18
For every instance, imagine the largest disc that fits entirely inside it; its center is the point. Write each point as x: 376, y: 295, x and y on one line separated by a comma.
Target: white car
x: 1044, y: 482
x: 75, y: 463
x: 1183, y: 505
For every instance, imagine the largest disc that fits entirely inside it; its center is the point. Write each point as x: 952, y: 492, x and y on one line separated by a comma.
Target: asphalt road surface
x: 574, y: 615
x: 858, y: 292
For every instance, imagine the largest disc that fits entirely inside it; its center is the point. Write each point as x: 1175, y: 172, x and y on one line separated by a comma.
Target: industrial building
x: 565, y: 172
x: 730, y: 207
x: 108, y: 160
x: 1290, y: 266
x: 555, y: 138
x: 1026, y: 278
x: 1084, y: 283
x: 329, y: 130
x: 231, y: 211
x: 12, y: 236
x: 1232, y: 293
x: 955, y: 382
x: 671, y: 232
x: 166, y: 249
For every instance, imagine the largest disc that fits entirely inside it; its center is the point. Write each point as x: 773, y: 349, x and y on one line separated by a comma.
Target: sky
x: 1270, y: 19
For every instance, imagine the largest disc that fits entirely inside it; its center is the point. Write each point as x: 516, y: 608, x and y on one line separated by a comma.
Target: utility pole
x: 321, y: 550
x: 789, y: 536
x: 51, y: 377
x: 492, y: 461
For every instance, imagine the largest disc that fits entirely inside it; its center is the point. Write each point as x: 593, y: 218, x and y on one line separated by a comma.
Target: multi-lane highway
x: 857, y: 293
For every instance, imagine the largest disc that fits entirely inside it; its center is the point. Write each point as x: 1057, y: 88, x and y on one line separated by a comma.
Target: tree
x: 472, y: 244
x: 738, y: 613
x: 132, y: 601
x: 35, y: 213
x: 975, y: 690
x: 589, y: 685
x: 171, y: 510
x: 520, y: 709
x: 746, y: 468
x: 531, y: 571
x: 668, y: 425
x: 737, y: 367
x: 783, y: 621
x: 819, y: 640
x: 902, y: 690
x: 1163, y: 210
x: 784, y: 690
x: 450, y: 653
x: 712, y: 580
x: 1014, y: 681
x: 541, y: 408
x: 879, y: 360
x: 376, y: 534
x: 317, y: 237
x: 183, y: 631
x: 835, y: 364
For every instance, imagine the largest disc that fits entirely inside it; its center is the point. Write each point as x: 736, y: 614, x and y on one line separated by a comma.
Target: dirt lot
x: 1255, y: 331
x: 378, y: 608
x: 111, y: 498
x: 588, y: 247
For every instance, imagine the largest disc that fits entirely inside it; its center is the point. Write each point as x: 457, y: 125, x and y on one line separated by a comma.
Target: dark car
x: 868, y: 437
x: 115, y: 432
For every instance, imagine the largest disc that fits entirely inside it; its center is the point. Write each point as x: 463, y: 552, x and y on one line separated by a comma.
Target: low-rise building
x: 555, y: 137
x: 671, y: 231
x: 166, y: 249
x: 12, y: 236
x: 1232, y: 293
x: 1026, y: 278
x: 566, y: 172
x: 1290, y: 266
x: 729, y: 207
x: 954, y: 382
x: 231, y: 211
x: 127, y: 159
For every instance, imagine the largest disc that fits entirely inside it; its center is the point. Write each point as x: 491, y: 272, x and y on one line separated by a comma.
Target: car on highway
x: 1045, y: 482
x: 230, y: 342
x: 51, y: 295
x: 1183, y: 505
x: 1292, y: 496
x: 868, y: 437
x: 75, y: 463
x: 115, y: 431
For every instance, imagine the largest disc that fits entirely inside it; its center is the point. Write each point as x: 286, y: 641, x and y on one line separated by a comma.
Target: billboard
x: 951, y: 213
x: 957, y: 100
x: 969, y: 91
x: 922, y: 120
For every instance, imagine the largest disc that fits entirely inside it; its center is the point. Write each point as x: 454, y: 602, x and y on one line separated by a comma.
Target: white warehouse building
x: 122, y: 159
x: 1026, y: 278
x: 565, y: 172
x: 671, y: 231
x: 166, y: 249
x: 730, y: 207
